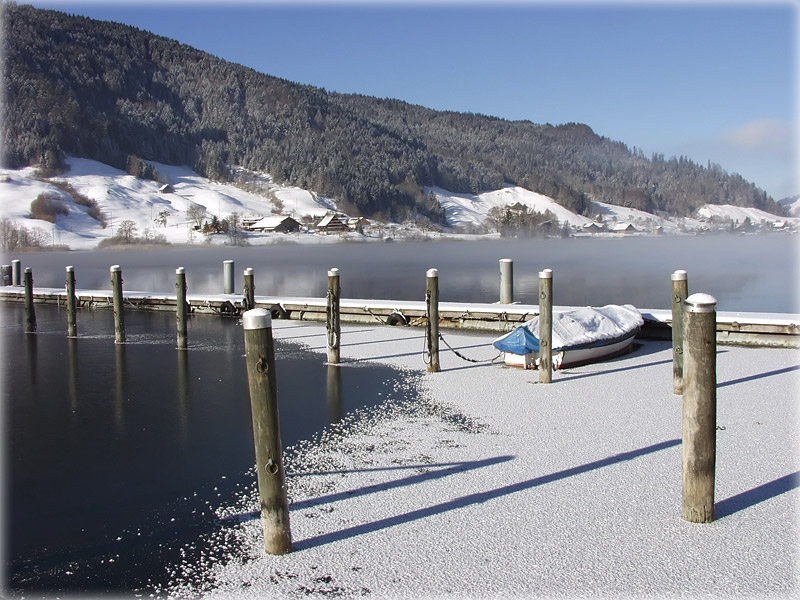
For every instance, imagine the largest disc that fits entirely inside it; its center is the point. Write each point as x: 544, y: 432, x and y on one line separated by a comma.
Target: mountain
x: 791, y: 205
x: 86, y: 88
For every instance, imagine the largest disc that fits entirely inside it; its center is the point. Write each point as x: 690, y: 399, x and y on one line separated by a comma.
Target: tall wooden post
x: 227, y: 277
x: 181, y: 308
x: 30, y: 313
x: 119, y: 312
x: 249, y: 289
x: 262, y: 378
x: 432, y: 325
x: 506, y: 281
x: 699, y: 407
x: 72, y: 321
x: 332, y: 317
x: 546, y: 326
x: 16, y: 268
x: 680, y: 290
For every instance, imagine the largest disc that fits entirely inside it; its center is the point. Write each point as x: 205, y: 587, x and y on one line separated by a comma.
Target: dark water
x: 115, y: 454
x: 745, y: 273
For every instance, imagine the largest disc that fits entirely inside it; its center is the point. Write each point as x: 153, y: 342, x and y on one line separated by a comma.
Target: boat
x: 580, y: 336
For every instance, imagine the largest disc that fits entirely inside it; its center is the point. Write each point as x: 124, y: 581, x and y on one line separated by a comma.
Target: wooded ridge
x: 120, y: 95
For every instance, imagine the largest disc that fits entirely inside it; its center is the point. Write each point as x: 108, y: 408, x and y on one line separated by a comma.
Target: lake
x: 756, y: 273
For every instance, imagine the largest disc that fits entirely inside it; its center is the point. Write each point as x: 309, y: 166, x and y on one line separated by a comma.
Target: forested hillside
x: 117, y: 94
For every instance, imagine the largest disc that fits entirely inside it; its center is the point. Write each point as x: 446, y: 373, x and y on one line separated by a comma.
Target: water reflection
x: 121, y: 385
x: 72, y: 385
x: 32, y: 349
x: 183, y: 396
x: 334, y: 389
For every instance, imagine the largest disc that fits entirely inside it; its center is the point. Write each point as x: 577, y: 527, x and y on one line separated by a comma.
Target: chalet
x: 276, y: 224
x: 624, y: 228
x: 354, y: 223
x: 592, y: 228
x: 332, y: 223
x: 166, y: 189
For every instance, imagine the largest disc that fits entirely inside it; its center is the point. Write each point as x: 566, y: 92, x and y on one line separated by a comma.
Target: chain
x: 472, y: 360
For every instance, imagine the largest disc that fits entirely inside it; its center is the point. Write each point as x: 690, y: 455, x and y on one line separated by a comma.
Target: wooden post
x: 227, y: 277
x: 260, y: 357
x: 30, y: 313
x: 72, y: 321
x: 119, y: 313
x: 432, y: 325
x: 699, y: 407
x: 546, y: 326
x: 16, y: 272
x: 6, y: 275
x: 181, y: 307
x: 680, y: 290
x: 332, y: 317
x: 249, y: 289
x: 506, y: 281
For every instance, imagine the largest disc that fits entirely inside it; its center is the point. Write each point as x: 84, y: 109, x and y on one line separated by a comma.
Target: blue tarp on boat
x: 520, y: 341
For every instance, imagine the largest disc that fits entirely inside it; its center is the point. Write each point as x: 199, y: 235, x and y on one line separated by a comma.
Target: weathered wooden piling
x: 16, y: 272
x: 333, y: 317
x: 181, y: 308
x: 6, y: 275
x: 30, y: 313
x: 262, y: 379
x: 72, y: 302
x: 227, y: 277
x: 506, y: 281
x: 680, y: 290
x: 546, y: 326
x: 699, y: 407
x: 432, y: 320
x: 119, y: 312
x: 249, y: 289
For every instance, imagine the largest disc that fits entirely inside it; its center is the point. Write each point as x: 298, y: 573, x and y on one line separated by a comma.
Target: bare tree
x: 196, y: 213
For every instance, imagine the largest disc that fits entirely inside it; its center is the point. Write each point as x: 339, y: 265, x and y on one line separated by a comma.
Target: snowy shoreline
x: 493, y: 485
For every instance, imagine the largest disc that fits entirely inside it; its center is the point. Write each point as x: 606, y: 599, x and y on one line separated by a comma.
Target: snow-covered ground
x: 122, y: 197
x: 492, y: 485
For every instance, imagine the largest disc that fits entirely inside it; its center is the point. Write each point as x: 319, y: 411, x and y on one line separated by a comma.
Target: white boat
x: 580, y: 336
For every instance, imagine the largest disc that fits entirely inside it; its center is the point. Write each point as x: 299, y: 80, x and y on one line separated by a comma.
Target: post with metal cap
x: 30, y: 313
x: 506, y: 281
x: 680, y: 290
x: 262, y: 378
x: 332, y: 316
x: 181, y: 308
x: 249, y: 289
x: 119, y: 313
x: 72, y: 321
x: 227, y: 277
x: 432, y: 324
x: 546, y: 326
x: 699, y: 407
x: 16, y: 272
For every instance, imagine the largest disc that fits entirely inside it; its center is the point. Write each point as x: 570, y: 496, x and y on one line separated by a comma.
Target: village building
x: 332, y: 223
x: 276, y: 224
x: 624, y: 228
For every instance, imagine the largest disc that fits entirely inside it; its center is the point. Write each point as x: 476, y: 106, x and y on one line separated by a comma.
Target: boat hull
x: 575, y: 356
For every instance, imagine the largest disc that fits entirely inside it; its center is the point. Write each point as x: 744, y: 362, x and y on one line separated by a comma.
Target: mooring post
x: 432, y: 325
x: 546, y: 326
x: 30, y: 313
x: 119, y: 313
x: 699, y: 407
x: 249, y: 289
x: 6, y: 271
x: 262, y: 379
x: 72, y: 321
x: 332, y: 316
x: 16, y: 269
x: 227, y: 277
x: 680, y: 290
x: 506, y: 281
x: 181, y: 307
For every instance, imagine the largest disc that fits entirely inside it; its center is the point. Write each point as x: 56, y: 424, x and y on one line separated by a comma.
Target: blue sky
x: 715, y: 81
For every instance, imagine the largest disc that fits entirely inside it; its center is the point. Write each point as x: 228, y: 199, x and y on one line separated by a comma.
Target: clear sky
x: 714, y: 81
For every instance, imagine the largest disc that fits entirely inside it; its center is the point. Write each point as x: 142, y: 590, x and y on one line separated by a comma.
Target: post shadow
x: 757, y: 495
x: 760, y: 376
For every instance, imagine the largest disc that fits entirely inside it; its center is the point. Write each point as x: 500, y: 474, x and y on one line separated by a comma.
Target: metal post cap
x: 114, y: 268
x: 180, y: 271
x: 679, y: 275
x: 70, y: 269
x: 227, y: 262
x: 257, y: 318
x: 546, y: 274
x: 506, y: 260
x: 248, y: 271
x: 700, y: 303
x: 333, y: 272
x: 432, y: 273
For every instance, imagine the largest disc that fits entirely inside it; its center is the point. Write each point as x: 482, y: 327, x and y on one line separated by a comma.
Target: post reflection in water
x: 121, y: 388
x: 183, y: 396
x: 33, y: 358
x: 72, y: 359
x: 334, y: 389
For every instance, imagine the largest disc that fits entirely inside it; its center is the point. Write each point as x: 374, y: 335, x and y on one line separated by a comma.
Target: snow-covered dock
x: 491, y: 485
x: 758, y: 329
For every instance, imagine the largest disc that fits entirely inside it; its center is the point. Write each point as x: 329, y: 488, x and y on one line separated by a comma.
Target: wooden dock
x: 780, y: 330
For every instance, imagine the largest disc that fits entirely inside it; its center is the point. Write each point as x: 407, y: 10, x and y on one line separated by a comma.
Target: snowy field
x: 496, y: 486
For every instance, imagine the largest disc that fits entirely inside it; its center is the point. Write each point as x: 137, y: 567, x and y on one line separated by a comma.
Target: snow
x: 492, y: 485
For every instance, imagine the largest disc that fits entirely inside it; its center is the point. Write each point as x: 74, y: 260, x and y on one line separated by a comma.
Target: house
x: 332, y: 223
x: 276, y: 224
x: 624, y: 228
x: 354, y: 223
x: 592, y: 228
x: 166, y: 189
